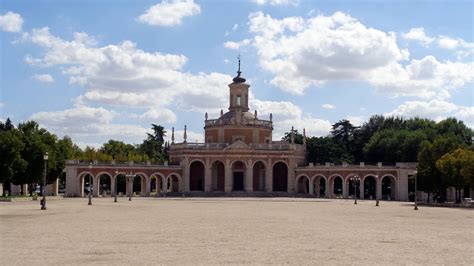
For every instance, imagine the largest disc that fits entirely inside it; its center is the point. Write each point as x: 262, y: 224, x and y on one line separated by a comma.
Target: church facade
x: 240, y: 158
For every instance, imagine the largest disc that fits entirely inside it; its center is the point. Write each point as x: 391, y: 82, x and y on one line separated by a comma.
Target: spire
x: 292, y: 135
x: 185, y: 136
x: 304, y: 137
x: 239, y: 79
x: 172, y: 135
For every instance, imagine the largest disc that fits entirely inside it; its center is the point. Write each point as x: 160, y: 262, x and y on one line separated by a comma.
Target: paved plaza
x: 233, y: 230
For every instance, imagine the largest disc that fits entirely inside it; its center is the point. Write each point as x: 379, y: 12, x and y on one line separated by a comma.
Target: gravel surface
x: 233, y: 230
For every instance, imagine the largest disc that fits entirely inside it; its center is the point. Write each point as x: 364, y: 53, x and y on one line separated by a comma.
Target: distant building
x: 239, y: 157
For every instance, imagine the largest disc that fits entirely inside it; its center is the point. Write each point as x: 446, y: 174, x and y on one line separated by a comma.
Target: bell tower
x: 239, y: 93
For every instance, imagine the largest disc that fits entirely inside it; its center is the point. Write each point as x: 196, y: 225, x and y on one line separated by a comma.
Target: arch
x: 319, y: 182
x: 388, y: 184
x: 173, y: 182
x: 82, y: 182
x: 238, y: 175
x: 196, y: 175
x: 218, y: 175
x: 336, y: 184
x: 104, y: 183
x: 139, y: 185
x: 302, y: 184
x: 370, y: 186
x: 280, y: 176
x: 197, y: 160
x: 279, y: 161
x: 156, y: 182
x: 258, y: 178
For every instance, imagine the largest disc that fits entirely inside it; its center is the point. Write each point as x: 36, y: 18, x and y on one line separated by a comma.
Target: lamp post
x: 130, y: 180
x: 355, y: 179
x: 90, y: 184
x: 43, y: 190
x: 376, y: 195
x: 115, y: 185
x: 416, y: 191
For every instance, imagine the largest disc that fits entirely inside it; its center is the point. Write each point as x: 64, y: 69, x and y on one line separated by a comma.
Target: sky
x: 96, y: 70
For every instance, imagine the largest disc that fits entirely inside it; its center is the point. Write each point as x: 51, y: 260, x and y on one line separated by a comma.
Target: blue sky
x: 96, y: 70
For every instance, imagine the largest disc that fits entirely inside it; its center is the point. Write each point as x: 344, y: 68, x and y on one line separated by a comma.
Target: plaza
x: 233, y: 230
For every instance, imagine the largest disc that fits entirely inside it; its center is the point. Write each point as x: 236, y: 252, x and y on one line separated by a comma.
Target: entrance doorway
x: 238, y: 181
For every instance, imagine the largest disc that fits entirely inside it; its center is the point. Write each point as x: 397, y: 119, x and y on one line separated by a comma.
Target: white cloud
x: 309, y: 52
x: 328, y: 106
x: 2, y: 104
x: 89, y: 125
x: 122, y: 74
x: 226, y: 61
x: 237, y: 45
x: 179, y: 136
x: 159, y: 116
x: 43, y: 78
x: 11, y: 22
x: 418, y: 34
x: 169, y: 13
x: 235, y: 27
x: 303, y: 52
x: 286, y: 114
x: 356, y: 120
x: 425, y: 78
x: 436, y: 110
x: 276, y: 2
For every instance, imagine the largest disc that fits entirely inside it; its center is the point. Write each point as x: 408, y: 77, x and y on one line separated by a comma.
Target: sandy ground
x: 233, y: 230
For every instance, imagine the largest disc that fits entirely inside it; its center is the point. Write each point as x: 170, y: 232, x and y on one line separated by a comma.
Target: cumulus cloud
x: 418, y: 34
x: 89, y: 125
x: 328, y: 106
x: 436, y: 110
x: 286, y: 114
x: 301, y: 53
x: 277, y: 2
x: 159, y: 115
x: 122, y: 74
x: 44, y: 78
x: 237, y: 45
x: 179, y: 136
x: 11, y: 22
x: 169, y: 13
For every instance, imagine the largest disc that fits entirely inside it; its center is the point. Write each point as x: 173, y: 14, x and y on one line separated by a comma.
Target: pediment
x: 238, y: 145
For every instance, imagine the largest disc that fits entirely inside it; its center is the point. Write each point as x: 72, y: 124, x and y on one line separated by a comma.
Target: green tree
x: 430, y: 179
x: 11, y: 161
x: 298, y: 137
x: 326, y: 149
x: 153, y: 145
x: 458, y: 169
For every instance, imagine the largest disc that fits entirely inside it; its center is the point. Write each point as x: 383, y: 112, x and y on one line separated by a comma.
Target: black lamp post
x: 43, y: 203
x: 376, y: 195
x: 90, y: 184
x: 355, y: 179
x: 416, y: 192
x: 115, y: 185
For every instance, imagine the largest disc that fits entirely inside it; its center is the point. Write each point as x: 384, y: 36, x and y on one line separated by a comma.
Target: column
x: 402, y: 186
x: 95, y: 186
x: 249, y: 177
x: 328, y: 190
x: 227, y: 177
x: 361, y: 189
x: 71, y: 182
x: 207, y: 176
x: 378, y: 188
x: 291, y: 175
x: 345, y: 186
x: 112, y: 185
x: 128, y: 187
x: 269, y: 176
x: 148, y: 186
x: 185, y: 165
x: 311, y: 187
x: 317, y: 186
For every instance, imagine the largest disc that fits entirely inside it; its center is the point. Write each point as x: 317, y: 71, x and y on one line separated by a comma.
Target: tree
x: 430, y: 179
x: 458, y: 169
x: 326, y: 149
x: 342, y: 131
x: 152, y: 146
x: 11, y: 161
x: 118, y: 150
x: 7, y: 125
x: 394, y: 145
x: 298, y: 137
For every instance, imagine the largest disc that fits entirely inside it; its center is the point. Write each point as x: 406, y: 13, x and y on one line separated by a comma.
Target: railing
x: 215, y: 122
x: 221, y: 146
x: 118, y: 163
x: 405, y: 165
